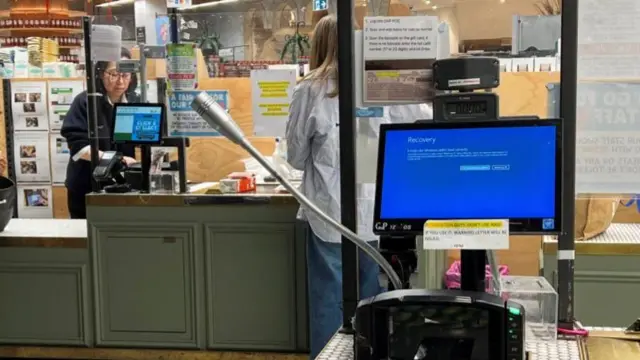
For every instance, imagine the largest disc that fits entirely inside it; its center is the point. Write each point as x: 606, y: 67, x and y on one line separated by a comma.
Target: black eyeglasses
x: 114, y: 75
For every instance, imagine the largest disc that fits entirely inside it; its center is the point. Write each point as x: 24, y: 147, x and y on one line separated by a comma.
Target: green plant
x: 295, y: 45
x: 549, y: 7
x: 209, y: 41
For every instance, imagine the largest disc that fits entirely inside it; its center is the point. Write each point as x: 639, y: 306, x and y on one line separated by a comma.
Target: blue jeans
x: 324, y: 269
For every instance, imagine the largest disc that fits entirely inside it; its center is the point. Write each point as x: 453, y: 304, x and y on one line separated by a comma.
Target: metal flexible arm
x: 218, y: 119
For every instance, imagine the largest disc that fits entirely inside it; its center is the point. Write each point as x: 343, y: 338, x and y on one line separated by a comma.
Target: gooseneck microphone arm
x: 219, y: 120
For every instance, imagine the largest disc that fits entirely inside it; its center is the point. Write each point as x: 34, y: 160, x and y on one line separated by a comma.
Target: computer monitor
x: 138, y: 124
x: 499, y: 169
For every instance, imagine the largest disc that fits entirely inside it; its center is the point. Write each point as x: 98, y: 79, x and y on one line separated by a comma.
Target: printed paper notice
x: 466, y: 234
x: 183, y: 121
x: 271, y: 92
x: 59, y: 151
x: 32, y: 156
x: 34, y: 201
x: 398, y: 55
x: 61, y: 95
x: 28, y: 105
x: 608, y: 138
x: 182, y: 66
x: 608, y: 42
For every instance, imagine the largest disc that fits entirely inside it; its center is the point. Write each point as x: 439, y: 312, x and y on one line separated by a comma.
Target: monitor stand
x: 400, y: 252
x: 473, y: 267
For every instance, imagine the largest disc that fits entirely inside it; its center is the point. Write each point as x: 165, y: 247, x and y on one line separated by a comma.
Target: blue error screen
x: 478, y: 173
x: 137, y: 124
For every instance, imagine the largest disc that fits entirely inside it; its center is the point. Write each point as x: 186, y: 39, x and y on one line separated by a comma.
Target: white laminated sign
x: 466, y: 234
x: 608, y: 138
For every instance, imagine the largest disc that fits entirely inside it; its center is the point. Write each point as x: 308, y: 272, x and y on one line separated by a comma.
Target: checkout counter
x: 210, y: 273
x: 192, y: 272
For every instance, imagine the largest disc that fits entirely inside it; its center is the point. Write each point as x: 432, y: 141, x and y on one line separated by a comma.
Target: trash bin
x: 7, y: 201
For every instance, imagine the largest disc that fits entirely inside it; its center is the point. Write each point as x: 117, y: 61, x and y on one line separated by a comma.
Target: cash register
x: 489, y: 170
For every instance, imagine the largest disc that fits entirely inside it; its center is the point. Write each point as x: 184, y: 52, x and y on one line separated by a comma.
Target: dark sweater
x: 75, y: 128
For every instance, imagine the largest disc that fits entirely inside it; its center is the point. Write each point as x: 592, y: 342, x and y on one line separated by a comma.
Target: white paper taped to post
x: 608, y: 138
x: 106, y: 43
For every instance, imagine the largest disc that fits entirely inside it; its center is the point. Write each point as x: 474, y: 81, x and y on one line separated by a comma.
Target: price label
x: 466, y: 234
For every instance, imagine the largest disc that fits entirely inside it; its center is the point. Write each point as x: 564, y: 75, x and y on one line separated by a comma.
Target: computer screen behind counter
x: 452, y: 170
x: 138, y: 123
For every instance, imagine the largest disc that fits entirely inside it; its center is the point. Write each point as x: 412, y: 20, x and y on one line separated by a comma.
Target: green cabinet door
x: 44, y: 296
x: 606, y: 288
x: 251, y: 287
x: 147, y: 285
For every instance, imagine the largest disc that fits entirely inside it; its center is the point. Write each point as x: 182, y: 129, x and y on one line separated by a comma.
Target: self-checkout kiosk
x: 467, y: 164
x: 140, y: 125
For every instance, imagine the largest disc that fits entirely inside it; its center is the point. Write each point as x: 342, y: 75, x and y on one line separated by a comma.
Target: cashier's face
x: 114, y: 82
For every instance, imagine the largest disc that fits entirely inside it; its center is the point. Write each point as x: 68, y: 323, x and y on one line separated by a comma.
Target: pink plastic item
x: 452, y: 276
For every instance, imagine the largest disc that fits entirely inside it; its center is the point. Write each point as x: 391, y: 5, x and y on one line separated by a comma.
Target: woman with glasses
x: 114, y: 87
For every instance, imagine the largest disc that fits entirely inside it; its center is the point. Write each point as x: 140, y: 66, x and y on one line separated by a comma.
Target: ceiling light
x: 116, y: 3
x: 434, y: 7
x: 209, y: 4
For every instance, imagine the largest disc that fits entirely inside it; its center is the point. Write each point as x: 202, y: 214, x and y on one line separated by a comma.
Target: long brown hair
x: 323, y: 60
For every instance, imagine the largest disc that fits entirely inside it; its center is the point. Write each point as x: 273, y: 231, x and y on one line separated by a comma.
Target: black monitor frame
x: 114, y: 116
x: 403, y: 227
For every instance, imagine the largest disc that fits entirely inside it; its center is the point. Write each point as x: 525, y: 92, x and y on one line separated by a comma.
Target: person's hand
x: 129, y: 160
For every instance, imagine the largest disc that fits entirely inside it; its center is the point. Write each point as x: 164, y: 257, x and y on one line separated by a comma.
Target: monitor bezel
x: 114, y: 116
x: 528, y: 226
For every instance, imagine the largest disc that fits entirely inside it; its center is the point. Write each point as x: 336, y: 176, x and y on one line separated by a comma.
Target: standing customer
x: 313, y: 146
x: 114, y: 87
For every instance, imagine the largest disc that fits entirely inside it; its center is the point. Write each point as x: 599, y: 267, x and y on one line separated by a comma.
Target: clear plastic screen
x: 608, y: 114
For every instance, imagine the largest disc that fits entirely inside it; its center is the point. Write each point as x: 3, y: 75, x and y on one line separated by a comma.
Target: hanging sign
x: 141, y: 35
x: 182, y: 66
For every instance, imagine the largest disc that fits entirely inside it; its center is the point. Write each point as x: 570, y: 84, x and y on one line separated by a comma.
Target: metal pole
x: 348, y: 214
x: 568, y: 93
x: 143, y: 74
x: 173, y: 26
x: 92, y: 97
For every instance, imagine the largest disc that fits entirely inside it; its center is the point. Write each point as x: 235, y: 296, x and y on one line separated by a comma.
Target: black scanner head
x: 438, y: 325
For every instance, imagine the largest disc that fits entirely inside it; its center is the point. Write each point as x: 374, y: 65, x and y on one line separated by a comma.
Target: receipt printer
x: 438, y: 325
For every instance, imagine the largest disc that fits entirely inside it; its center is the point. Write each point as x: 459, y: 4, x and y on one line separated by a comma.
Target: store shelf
x: 39, y: 31
x: 71, y: 14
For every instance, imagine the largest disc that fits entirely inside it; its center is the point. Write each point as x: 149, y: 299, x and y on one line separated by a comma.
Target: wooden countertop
x: 264, y: 195
x: 619, y: 239
x: 61, y: 233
